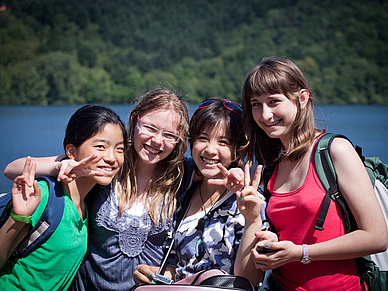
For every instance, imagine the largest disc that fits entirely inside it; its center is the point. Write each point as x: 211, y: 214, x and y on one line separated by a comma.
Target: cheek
x: 169, y: 147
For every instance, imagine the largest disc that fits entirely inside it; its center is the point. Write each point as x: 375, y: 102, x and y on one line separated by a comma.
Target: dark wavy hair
x: 215, y: 114
x: 88, y: 121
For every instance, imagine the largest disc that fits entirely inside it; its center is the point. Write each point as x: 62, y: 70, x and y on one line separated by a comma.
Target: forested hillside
x: 92, y: 51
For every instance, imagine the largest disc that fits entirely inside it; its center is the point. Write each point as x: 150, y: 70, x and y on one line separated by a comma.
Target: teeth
x: 106, y: 169
x: 151, y: 149
x: 211, y: 162
x: 273, y: 123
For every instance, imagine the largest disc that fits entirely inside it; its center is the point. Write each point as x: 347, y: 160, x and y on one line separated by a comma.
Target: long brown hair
x: 169, y: 172
x: 274, y: 76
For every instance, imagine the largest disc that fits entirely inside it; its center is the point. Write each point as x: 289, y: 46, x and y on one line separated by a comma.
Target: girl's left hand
x: 248, y: 200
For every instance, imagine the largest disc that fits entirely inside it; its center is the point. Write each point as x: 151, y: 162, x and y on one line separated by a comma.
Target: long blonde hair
x: 162, y: 189
x: 274, y: 76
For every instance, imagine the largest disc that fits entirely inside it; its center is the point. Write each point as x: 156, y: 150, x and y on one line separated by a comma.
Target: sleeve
x: 44, y: 194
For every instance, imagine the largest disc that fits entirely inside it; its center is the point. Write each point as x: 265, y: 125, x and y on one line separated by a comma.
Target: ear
x: 70, y: 151
x: 304, y: 98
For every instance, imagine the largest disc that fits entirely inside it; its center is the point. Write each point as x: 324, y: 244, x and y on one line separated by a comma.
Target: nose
x: 109, y: 156
x: 158, y: 138
x: 211, y: 147
x: 266, y: 112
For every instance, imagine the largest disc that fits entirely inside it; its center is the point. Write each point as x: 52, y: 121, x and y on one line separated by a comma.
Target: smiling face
x: 210, y: 147
x: 108, y: 144
x: 153, y: 149
x: 275, y: 114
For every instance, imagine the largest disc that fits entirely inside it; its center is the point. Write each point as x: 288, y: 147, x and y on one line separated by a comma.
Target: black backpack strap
x: 48, y: 222
x: 326, y: 173
x: 181, y: 213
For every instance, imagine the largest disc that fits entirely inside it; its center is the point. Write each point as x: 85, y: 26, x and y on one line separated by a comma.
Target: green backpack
x: 373, y: 269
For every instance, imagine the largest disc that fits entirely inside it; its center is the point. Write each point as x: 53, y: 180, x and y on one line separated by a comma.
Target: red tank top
x: 293, y: 215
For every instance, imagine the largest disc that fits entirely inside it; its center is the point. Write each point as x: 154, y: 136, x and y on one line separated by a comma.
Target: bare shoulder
x: 342, y: 148
x: 345, y: 158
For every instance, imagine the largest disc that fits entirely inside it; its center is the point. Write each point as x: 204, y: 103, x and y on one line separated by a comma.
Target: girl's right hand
x: 25, y: 191
x: 233, y: 179
x: 143, y: 274
x: 69, y: 170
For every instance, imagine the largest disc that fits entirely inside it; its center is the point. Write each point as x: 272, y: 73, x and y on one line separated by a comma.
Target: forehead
x: 218, y: 129
x: 166, y: 119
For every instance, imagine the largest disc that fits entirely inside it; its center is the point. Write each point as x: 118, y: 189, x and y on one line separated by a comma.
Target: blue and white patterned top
x: 116, y: 246
x: 221, y: 236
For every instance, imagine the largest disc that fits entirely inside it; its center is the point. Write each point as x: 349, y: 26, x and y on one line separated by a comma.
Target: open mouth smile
x: 106, y: 169
x: 273, y: 123
x: 152, y: 150
x: 210, y: 161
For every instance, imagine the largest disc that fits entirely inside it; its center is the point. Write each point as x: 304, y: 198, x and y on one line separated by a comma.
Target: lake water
x: 39, y: 131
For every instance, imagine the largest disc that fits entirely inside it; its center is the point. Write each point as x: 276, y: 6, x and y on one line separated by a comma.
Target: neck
x: 211, y: 193
x: 144, y: 174
x: 77, y: 191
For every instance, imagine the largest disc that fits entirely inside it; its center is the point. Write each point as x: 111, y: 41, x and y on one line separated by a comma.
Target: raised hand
x: 70, y: 170
x: 248, y: 199
x: 232, y: 179
x: 25, y: 190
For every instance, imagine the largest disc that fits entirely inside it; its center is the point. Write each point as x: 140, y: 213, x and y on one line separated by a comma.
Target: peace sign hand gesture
x: 25, y: 190
x: 232, y: 179
x: 248, y: 199
x: 69, y: 170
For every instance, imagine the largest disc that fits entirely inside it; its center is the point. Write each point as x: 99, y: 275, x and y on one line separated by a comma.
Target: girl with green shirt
x: 96, y: 136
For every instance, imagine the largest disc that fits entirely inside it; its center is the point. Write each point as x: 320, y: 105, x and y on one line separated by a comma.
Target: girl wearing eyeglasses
x: 128, y: 224
x: 210, y: 233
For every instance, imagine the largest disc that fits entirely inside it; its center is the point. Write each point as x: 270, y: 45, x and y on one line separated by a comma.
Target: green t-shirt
x: 53, y: 265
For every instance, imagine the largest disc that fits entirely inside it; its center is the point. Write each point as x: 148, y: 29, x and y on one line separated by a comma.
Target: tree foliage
x: 73, y: 52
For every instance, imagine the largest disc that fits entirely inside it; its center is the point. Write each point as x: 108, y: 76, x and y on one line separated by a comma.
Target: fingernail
x: 153, y: 282
x: 152, y: 275
x: 266, y: 245
x: 241, y: 199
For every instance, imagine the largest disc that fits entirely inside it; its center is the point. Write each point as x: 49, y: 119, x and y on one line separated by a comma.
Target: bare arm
x: 249, y: 204
x: 64, y: 169
x: 371, y: 236
x: 48, y: 166
x: 25, y: 200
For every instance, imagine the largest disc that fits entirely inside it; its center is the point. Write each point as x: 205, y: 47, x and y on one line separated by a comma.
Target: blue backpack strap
x: 48, y: 222
x: 5, y: 207
x: 326, y: 174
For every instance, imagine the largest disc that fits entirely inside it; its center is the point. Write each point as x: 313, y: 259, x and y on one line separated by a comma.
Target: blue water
x: 38, y: 131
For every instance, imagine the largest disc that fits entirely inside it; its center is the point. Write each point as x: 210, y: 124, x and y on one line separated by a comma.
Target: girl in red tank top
x: 279, y: 122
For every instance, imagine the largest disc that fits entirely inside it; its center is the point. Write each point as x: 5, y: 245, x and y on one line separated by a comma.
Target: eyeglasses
x: 230, y: 105
x: 152, y: 131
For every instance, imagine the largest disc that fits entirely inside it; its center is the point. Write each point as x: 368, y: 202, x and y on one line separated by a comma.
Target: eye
x: 202, y: 137
x: 255, y: 104
x: 150, y: 128
x: 100, y: 146
x: 120, y: 149
x: 170, y: 136
x: 224, y: 142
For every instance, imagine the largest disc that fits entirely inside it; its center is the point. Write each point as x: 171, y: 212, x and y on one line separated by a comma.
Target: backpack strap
x: 180, y: 215
x: 326, y: 174
x: 48, y: 222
